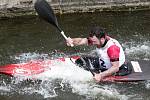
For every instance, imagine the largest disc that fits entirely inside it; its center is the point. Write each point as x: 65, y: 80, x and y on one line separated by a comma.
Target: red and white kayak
x: 140, y: 69
x: 32, y: 67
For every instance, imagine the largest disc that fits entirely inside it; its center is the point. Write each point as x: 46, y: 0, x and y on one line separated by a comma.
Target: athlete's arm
x: 109, y: 72
x: 76, y: 41
x: 113, y: 53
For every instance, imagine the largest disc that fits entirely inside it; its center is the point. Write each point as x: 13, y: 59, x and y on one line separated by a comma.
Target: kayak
x: 32, y: 67
x: 140, y: 70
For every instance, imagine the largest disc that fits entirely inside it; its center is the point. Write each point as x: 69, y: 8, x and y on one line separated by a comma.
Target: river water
x: 28, y: 38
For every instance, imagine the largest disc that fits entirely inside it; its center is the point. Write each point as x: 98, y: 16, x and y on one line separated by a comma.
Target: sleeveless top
x: 111, y: 52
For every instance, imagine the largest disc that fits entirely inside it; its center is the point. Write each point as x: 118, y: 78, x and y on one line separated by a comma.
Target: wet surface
x: 27, y: 38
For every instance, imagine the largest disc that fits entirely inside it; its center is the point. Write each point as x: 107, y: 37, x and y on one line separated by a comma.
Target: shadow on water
x: 27, y: 38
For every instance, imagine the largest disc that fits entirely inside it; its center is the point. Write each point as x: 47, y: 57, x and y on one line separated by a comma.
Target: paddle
x: 87, y: 66
x: 45, y: 11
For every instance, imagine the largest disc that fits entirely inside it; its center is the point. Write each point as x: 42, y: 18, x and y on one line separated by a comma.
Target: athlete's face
x: 96, y: 41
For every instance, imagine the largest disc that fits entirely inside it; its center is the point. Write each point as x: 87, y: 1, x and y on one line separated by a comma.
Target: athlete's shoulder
x: 113, y: 52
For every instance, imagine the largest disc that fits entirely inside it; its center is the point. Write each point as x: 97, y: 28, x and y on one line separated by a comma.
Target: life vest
x: 106, y: 53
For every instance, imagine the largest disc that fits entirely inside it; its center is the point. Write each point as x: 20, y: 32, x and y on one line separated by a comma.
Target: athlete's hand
x: 69, y: 42
x: 98, y: 77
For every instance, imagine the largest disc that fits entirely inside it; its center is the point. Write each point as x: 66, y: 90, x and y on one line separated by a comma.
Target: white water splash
x: 80, y: 81
x: 139, y: 51
x: 4, y: 88
x: 24, y: 57
x: 147, y: 84
x: 60, y: 74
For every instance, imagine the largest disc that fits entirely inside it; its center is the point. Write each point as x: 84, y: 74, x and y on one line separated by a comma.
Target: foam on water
x: 29, y: 56
x: 147, y: 84
x: 79, y: 80
x: 138, y: 51
x: 60, y: 75
x: 68, y: 77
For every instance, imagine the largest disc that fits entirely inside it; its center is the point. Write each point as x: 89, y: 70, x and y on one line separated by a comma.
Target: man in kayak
x: 111, y: 57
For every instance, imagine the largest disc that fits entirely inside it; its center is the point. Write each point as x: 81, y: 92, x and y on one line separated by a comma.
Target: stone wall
x: 12, y: 8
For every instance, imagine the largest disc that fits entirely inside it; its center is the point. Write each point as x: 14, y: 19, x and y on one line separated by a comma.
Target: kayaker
x: 111, y: 57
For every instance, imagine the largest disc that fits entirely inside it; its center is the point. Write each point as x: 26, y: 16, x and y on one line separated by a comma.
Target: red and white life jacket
x: 112, y: 51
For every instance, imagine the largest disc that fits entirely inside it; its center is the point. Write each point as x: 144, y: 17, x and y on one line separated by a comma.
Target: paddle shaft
x: 45, y: 11
x: 88, y: 67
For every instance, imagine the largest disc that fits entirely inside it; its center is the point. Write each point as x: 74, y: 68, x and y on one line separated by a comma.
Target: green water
x: 31, y: 35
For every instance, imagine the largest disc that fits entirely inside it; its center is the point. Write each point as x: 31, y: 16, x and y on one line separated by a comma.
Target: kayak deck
x: 26, y: 69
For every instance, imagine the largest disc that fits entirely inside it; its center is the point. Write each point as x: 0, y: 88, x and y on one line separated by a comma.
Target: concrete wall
x: 11, y: 8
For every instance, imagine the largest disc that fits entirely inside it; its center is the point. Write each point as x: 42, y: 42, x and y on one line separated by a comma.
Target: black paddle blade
x: 45, y: 11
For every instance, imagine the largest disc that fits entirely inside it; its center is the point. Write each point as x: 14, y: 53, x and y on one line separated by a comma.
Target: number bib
x: 104, y: 59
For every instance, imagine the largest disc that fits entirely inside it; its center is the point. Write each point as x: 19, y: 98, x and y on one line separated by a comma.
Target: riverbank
x: 13, y: 8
